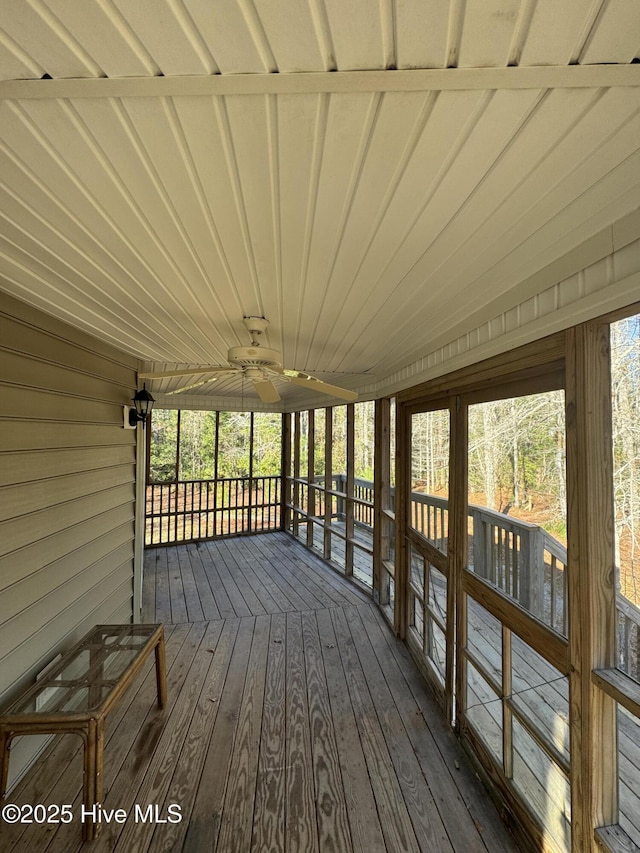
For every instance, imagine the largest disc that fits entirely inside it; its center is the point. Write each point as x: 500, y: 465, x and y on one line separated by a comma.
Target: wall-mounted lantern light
x: 143, y: 402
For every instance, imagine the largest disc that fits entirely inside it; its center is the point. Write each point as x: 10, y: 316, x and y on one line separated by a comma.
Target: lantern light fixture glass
x: 143, y: 402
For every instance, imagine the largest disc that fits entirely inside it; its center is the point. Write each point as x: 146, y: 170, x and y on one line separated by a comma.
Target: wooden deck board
x: 163, y: 598
x: 312, y: 595
x: 230, y: 580
x: 340, y: 590
x: 446, y: 793
x: 192, y: 757
x: 301, y: 831
x: 310, y: 587
x: 237, y: 818
x: 284, y: 731
x: 269, y: 812
x: 396, y: 826
x: 236, y: 565
x: 244, y: 559
x: 222, y: 600
x: 427, y: 822
x: 176, y: 588
x: 164, y: 757
x: 204, y: 822
x: 195, y: 612
x: 208, y: 602
x: 246, y: 576
x: 364, y: 822
x: 474, y: 797
x: 333, y: 822
x: 149, y: 587
x: 283, y: 580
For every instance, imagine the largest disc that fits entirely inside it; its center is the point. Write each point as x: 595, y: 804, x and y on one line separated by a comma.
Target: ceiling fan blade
x: 267, y: 391
x: 189, y: 387
x: 191, y: 371
x: 311, y: 382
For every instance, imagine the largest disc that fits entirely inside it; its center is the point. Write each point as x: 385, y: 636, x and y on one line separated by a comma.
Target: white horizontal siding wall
x: 67, y: 494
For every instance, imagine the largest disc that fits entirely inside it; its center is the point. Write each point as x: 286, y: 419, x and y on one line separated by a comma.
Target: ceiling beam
x: 530, y: 77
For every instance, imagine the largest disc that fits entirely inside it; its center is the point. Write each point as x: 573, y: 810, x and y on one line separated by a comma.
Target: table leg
x: 92, y: 787
x: 161, y: 672
x: 5, y: 737
x: 99, y: 783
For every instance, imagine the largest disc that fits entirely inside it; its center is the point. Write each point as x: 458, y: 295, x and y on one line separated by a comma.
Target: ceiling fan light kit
x: 259, y: 365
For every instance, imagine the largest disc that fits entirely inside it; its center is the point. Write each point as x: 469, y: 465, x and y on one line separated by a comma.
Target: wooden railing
x: 188, y: 510
x: 628, y: 637
x: 362, y: 500
x: 520, y: 559
x: 430, y: 517
x: 526, y: 563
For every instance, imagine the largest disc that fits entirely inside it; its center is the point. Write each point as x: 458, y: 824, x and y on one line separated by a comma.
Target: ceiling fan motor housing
x: 254, y: 357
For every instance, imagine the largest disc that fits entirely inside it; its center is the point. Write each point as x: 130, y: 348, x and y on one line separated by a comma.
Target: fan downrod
x: 256, y: 326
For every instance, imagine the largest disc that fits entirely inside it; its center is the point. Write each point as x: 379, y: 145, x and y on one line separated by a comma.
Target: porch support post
x: 381, y: 477
x: 403, y: 504
x: 591, y: 587
x: 349, y: 488
x: 296, y: 475
x: 285, y: 473
x: 328, y: 481
x: 142, y: 460
x: 457, y: 556
x: 249, y: 525
x: 216, y: 484
x: 311, y: 492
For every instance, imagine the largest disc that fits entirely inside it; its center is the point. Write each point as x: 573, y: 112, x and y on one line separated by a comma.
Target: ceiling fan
x: 260, y: 365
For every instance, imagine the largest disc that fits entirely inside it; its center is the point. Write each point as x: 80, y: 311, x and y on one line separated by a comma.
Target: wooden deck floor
x: 245, y: 576
x: 295, y: 722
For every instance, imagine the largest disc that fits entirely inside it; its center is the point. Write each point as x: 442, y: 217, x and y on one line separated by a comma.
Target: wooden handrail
x: 521, y: 559
x: 188, y: 510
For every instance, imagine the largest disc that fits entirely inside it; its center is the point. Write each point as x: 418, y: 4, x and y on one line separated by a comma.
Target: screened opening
x: 517, y: 501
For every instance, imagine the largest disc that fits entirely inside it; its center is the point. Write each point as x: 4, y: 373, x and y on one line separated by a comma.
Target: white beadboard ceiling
x: 184, y: 163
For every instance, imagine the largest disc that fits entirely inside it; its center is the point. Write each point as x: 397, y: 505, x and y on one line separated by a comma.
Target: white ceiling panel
x: 342, y: 135
x: 528, y: 224
x: 15, y: 62
x: 614, y: 38
x: 488, y: 29
x: 557, y: 32
x: 39, y: 34
x: 118, y: 38
x: 361, y: 37
x: 233, y: 35
x: 105, y: 35
x: 169, y: 34
x: 297, y: 34
x: 421, y: 32
x: 487, y: 130
x: 368, y: 220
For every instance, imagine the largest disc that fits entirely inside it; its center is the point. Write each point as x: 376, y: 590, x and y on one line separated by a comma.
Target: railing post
x: 479, y: 544
x: 530, y: 591
x: 340, y: 487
